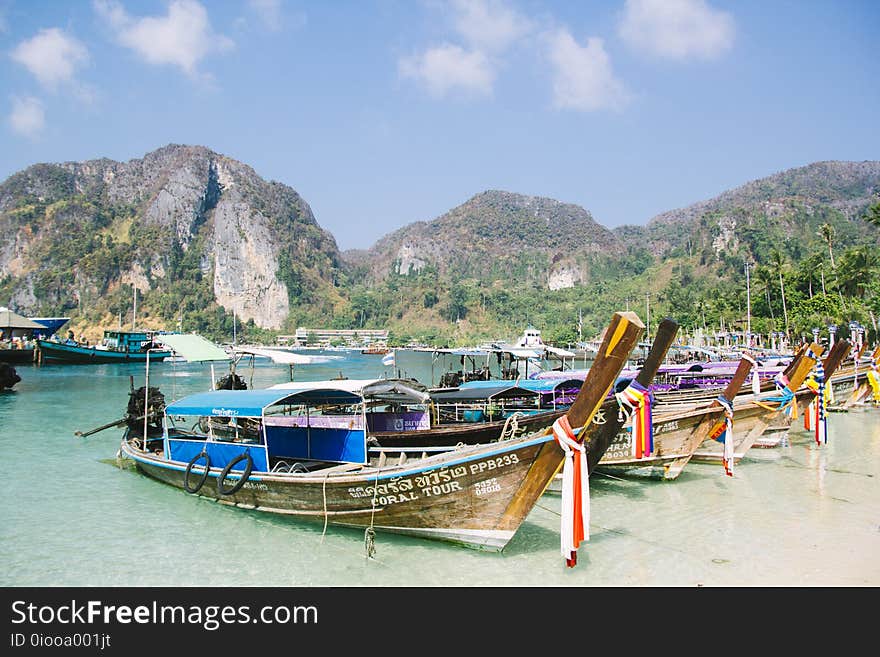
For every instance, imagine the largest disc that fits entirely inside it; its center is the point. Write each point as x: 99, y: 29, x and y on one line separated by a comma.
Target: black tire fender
x: 201, y: 482
x: 241, y: 481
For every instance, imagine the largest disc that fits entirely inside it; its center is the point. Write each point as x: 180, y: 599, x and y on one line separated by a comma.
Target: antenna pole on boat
x: 134, y: 309
x: 146, y: 398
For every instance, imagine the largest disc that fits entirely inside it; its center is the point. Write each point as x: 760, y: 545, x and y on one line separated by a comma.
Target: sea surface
x: 798, y: 515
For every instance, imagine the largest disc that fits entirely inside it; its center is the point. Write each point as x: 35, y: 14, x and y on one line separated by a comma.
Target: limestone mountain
x: 784, y: 210
x: 497, y: 236
x: 203, y: 238
x: 199, y: 234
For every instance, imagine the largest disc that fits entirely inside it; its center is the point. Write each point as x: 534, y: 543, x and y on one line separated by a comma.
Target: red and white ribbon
x: 575, y: 491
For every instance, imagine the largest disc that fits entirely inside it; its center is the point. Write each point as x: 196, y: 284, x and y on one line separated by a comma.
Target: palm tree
x: 777, y: 259
x: 826, y: 232
x: 857, y: 267
x: 765, y: 277
x: 873, y: 214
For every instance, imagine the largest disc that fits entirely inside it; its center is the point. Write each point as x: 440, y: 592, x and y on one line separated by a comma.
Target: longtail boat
x: 779, y: 427
x: 868, y: 390
x: 477, y: 496
x: 676, y: 435
x: 752, y: 416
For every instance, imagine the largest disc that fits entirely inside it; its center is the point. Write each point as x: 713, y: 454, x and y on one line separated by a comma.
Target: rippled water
x: 800, y: 514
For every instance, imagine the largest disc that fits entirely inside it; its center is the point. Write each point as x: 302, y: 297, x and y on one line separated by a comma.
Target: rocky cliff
x: 254, y: 244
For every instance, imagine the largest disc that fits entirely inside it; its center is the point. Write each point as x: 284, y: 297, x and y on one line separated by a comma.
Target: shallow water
x: 796, y: 515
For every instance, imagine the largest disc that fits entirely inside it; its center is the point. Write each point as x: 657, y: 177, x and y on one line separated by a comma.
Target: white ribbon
x: 756, y: 380
x: 573, y: 449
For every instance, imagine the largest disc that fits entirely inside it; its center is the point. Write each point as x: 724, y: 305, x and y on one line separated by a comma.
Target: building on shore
x: 327, y: 337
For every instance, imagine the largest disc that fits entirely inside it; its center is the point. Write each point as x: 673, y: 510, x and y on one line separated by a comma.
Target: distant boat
x: 376, y: 350
x: 16, y: 331
x: 115, y: 347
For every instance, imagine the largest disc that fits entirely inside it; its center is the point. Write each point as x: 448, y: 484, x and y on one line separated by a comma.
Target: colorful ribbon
x: 874, y: 381
x: 575, y: 526
x: 785, y: 398
x: 817, y: 385
x: 726, y: 435
x: 638, y: 399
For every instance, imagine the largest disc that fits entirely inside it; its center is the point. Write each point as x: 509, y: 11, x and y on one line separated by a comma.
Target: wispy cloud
x: 28, y: 117
x: 449, y: 67
x: 268, y: 12
x: 484, y: 30
x: 582, y: 75
x: 52, y: 56
x: 677, y: 29
x: 182, y: 38
x: 489, y: 25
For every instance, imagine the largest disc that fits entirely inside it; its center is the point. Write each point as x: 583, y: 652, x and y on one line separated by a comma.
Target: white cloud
x: 27, y: 117
x: 182, y: 38
x: 51, y: 56
x: 582, y: 75
x: 448, y: 67
x: 676, y: 29
x: 489, y: 25
x: 487, y: 28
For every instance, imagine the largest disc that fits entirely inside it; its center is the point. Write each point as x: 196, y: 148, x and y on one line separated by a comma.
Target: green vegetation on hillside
x: 480, y: 272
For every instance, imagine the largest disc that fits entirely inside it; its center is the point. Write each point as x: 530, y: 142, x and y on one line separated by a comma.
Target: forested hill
x: 202, y: 236
x: 503, y: 260
x: 783, y: 210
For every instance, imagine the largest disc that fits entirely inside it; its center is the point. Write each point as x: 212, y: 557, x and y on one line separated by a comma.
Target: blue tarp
x: 533, y: 385
x: 250, y: 403
x: 220, y: 453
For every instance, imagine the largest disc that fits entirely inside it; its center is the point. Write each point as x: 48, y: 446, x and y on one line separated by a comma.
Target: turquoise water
x: 799, y: 515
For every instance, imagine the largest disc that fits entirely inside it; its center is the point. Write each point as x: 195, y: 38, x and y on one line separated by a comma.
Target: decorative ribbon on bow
x: 874, y: 381
x: 725, y: 435
x: 756, y: 380
x: 575, y: 525
x: 785, y: 398
x: 638, y: 399
x: 817, y: 385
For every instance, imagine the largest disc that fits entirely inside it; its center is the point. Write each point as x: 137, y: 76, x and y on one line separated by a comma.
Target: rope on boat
x: 324, y: 494
x: 512, y: 421
x: 369, y: 532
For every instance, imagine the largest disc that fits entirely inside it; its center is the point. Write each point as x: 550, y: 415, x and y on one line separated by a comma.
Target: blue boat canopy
x: 534, y: 385
x: 253, y: 403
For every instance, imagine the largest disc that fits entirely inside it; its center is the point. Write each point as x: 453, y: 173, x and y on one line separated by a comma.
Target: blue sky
x: 384, y: 112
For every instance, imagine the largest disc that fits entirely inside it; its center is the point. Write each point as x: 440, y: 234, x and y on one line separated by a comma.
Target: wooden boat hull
x: 478, y: 498
x: 16, y: 355
x: 676, y: 437
x: 750, y: 421
x: 58, y: 352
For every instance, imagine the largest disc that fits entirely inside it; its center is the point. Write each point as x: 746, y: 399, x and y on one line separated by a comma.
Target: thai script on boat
x: 224, y: 412
x: 433, y: 483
